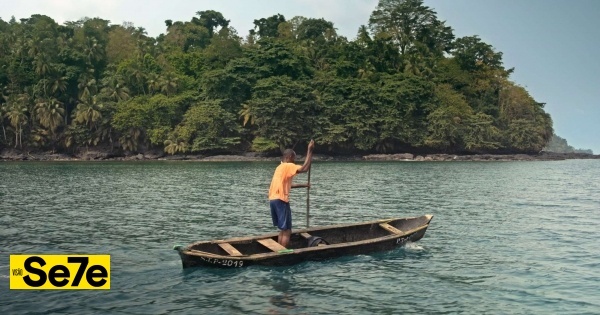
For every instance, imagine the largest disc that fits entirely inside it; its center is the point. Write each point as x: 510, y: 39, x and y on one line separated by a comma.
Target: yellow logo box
x: 59, y: 272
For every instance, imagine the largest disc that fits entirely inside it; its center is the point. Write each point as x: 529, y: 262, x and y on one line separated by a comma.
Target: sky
x: 552, y: 44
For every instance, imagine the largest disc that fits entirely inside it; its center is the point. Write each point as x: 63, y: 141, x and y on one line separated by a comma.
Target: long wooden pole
x: 308, y: 198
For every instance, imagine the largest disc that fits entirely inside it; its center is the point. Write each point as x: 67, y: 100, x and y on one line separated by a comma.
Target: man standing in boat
x: 279, y: 192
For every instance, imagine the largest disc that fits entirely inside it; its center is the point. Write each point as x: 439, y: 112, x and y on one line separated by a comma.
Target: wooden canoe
x: 345, y: 239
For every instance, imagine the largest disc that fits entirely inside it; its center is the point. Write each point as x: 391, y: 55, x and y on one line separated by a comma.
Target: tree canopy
x: 404, y: 83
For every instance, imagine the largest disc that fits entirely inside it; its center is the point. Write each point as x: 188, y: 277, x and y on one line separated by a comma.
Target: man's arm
x: 308, y: 158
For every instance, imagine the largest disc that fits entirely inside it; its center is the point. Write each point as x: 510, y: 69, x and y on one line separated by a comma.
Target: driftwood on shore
x: 14, y: 155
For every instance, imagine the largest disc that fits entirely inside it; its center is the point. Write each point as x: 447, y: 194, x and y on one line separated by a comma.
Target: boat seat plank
x: 230, y: 249
x: 271, y: 244
x: 390, y: 228
x: 305, y: 235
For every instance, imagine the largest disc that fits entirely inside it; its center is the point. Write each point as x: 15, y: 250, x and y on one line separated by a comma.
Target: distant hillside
x: 560, y: 145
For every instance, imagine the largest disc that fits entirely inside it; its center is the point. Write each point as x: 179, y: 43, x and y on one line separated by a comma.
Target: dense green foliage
x: 404, y: 83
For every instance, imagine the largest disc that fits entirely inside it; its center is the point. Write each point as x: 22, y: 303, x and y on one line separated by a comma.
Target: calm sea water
x: 506, y: 237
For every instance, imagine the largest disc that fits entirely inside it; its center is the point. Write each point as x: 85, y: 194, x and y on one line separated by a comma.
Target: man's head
x: 289, y: 156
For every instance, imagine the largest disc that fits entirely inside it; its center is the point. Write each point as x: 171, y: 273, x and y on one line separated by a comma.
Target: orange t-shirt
x: 282, y: 181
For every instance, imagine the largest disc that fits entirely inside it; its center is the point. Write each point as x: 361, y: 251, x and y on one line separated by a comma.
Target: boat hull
x: 412, y: 229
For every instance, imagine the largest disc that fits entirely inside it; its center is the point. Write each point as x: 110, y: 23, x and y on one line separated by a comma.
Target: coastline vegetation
x: 560, y: 145
x: 405, y: 83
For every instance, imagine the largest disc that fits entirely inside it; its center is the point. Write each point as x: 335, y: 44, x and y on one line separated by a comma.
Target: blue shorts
x: 281, y: 214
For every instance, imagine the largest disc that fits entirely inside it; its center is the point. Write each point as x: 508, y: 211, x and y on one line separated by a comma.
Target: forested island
x: 405, y: 83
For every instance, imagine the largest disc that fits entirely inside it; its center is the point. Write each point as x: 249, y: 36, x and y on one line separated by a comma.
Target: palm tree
x: 35, y: 47
x: 153, y: 83
x: 168, y: 84
x: 174, y: 146
x: 17, y: 116
x: 92, y: 50
x: 19, y: 48
x: 246, y: 113
x: 88, y: 112
x: 136, y: 78
x: 58, y: 83
x: 3, y: 111
x: 42, y: 64
x: 104, y: 130
x: 129, y: 141
x: 114, y: 88
x: 50, y: 113
x: 87, y: 84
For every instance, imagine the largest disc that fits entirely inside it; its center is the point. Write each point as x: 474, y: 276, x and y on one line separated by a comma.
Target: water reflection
x: 284, y: 299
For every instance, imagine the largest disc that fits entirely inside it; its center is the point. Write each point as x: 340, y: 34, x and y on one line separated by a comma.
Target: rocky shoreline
x: 14, y: 155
